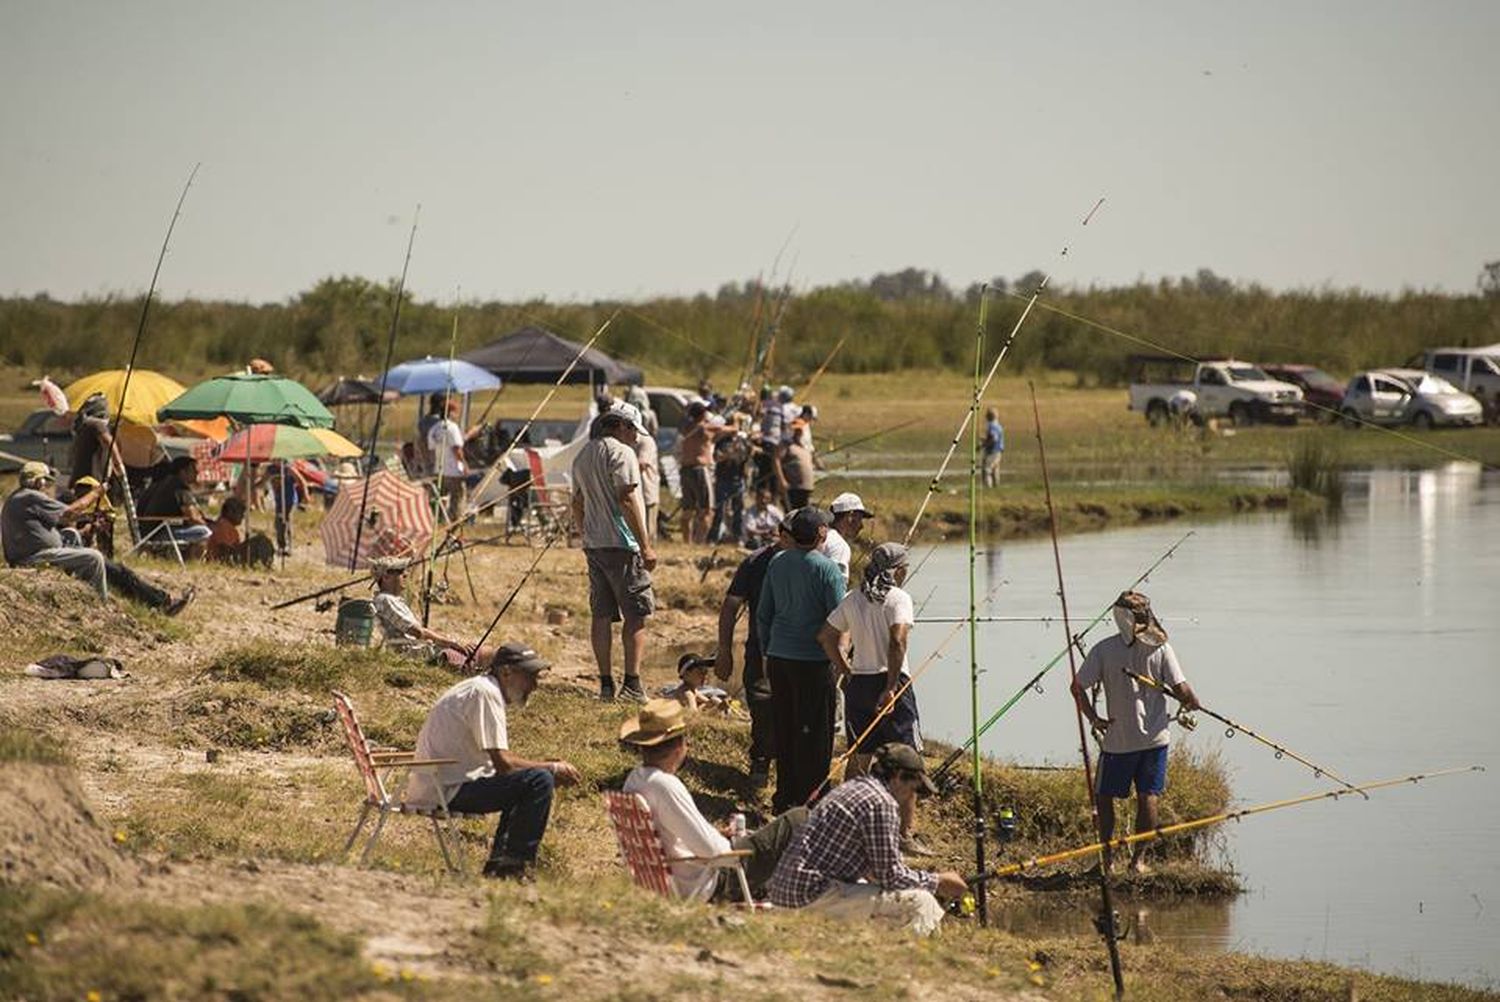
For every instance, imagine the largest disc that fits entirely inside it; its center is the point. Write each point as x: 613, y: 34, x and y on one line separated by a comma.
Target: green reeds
x: 1315, y: 466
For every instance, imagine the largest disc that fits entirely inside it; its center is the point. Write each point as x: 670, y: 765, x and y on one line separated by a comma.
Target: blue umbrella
x: 431, y: 375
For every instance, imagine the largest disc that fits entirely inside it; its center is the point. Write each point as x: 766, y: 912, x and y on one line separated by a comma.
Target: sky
x: 581, y: 151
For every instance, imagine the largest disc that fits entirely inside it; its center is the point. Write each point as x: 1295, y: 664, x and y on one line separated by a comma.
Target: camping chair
x: 550, y: 512
x: 157, y: 536
x: 641, y: 852
x: 371, y: 762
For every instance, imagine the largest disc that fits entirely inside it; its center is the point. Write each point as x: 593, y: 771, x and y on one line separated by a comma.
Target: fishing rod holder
x: 1102, y: 925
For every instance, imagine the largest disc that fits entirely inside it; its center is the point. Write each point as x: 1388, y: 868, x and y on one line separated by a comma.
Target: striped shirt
x: 854, y: 833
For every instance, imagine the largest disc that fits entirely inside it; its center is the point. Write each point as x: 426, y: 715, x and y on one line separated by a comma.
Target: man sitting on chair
x: 467, y: 724
x: 171, y: 497
x: 403, y: 631
x: 659, y: 734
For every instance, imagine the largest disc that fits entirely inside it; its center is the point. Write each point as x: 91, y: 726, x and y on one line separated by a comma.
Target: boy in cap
x: 846, y: 861
x: 467, y: 724
x: 659, y: 734
x: 849, y: 514
x: 611, y: 516
x: 402, y: 630
x: 1136, y: 734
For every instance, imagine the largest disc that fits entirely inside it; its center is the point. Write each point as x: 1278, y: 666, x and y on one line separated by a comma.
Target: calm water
x: 1371, y: 645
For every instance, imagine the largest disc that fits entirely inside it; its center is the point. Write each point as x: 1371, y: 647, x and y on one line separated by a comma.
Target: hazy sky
x: 582, y: 150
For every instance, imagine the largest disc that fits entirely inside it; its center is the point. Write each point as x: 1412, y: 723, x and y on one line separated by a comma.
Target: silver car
x: 1407, y: 396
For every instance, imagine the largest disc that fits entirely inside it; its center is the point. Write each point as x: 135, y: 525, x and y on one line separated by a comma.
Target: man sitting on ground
x: 846, y: 861
x: 467, y: 724
x: 170, y: 497
x: 402, y: 630
x: 659, y: 734
x: 30, y: 522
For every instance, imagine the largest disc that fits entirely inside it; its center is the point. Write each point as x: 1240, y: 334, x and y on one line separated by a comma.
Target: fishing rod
x: 1016, y: 619
x: 385, y: 373
x: 1234, y: 727
x: 469, y: 658
x: 979, y: 390
x: 449, y: 547
x: 1121, y: 841
x: 1106, y: 922
x: 813, y: 380
x: 981, y: 896
x: 957, y: 753
x: 135, y: 347
x: 441, y: 463
x: 865, y: 438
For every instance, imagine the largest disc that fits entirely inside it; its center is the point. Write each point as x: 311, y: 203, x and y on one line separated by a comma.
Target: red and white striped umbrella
x: 398, y: 521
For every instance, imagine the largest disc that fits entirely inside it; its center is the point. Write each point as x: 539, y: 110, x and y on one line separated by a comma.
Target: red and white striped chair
x: 641, y: 852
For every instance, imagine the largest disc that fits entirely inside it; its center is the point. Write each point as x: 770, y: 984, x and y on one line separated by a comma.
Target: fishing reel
x: 1007, y: 825
x: 1187, y: 721
x: 1102, y: 925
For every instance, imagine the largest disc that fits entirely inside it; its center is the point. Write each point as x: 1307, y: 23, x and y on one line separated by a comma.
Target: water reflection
x: 1193, y: 926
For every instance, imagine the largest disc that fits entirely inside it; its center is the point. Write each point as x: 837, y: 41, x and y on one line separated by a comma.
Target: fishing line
x: 474, y: 651
x: 678, y: 335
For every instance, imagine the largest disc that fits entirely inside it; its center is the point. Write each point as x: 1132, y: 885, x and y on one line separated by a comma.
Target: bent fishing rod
x: 957, y: 753
x: 390, y: 348
x: 1106, y: 924
x: 865, y: 438
x: 474, y: 651
x: 936, y: 484
x: 1234, y: 727
x: 1122, y: 841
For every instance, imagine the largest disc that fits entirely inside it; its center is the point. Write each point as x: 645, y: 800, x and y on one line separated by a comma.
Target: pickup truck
x: 1224, y: 388
x: 1474, y: 370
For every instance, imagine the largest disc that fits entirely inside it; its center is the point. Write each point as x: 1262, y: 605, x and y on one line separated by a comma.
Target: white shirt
x: 1139, y: 713
x: 682, y: 830
x: 442, y: 439
x: 836, y: 548
x: 869, y: 627
x: 465, y: 724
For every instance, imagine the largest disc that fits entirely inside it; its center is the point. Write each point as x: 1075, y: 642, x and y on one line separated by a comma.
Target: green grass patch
x: 22, y: 744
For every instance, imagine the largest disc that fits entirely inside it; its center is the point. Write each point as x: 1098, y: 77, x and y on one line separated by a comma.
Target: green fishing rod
x: 942, y: 770
x: 1234, y: 727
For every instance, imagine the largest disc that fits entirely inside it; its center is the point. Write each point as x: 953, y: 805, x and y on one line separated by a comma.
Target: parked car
x: 1224, y: 388
x: 1407, y: 396
x: 42, y: 436
x: 1473, y: 370
x: 1321, y: 393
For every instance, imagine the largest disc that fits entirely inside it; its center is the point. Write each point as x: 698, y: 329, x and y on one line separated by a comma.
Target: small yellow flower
x: 33, y: 939
x: 94, y: 996
x: 543, y: 979
x: 407, y: 974
x: 1032, y: 965
x: 380, y: 971
x: 1039, y: 981
x: 120, y: 837
x: 993, y: 972
x: 606, y: 905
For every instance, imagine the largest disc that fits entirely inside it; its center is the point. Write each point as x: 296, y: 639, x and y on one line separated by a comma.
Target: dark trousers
x: 130, y: 584
x: 729, y: 509
x: 524, y: 801
x: 766, y: 845
x: 796, y: 498
x: 758, y: 701
x: 802, y: 697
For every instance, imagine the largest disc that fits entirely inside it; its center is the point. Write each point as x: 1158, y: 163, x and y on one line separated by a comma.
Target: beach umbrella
x: 263, y: 443
x: 345, y: 391
x: 148, y: 392
x: 438, y: 375
x: 398, y: 521
x: 249, y: 399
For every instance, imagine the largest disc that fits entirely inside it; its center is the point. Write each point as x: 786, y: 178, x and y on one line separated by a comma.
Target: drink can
x: 737, y: 825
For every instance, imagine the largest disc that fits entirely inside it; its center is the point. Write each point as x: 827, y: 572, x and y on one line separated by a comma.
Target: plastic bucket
x: 355, y: 624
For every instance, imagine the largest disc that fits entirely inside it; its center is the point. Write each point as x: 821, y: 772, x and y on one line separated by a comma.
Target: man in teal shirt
x: 801, y: 588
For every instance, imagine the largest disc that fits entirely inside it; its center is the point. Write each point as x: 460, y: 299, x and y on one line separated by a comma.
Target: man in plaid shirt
x: 846, y: 860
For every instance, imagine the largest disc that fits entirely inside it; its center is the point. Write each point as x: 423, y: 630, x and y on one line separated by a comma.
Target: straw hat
x: 659, y: 720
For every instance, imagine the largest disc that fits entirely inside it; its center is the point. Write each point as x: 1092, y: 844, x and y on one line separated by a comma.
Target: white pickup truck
x: 1223, y: 388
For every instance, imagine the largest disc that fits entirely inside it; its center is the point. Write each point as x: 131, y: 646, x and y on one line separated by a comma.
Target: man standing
x: 695, y: 459
x: 731, y: 453
x: 648, y: 456
x: 846, y: 861
x: 744, y: 589
x: 611, y: 517
x: 849, y: 515
x: 1136, y: 735
x: 467, y: 724
x: 993, y: 446
x: 92, y: 445
x: 445, y: 442
x: 801, y: 588
x: 659, y: 734
x: 29, y: 524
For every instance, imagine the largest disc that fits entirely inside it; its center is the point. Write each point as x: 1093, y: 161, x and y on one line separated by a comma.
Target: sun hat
x: 1147, y: 626
x: 802, y: 524
x: 847, y: 502
x: 897, y: 757
x: 520, y: 657
x: 659, y: 720
x: 34, y: 472
x: 383, y: 566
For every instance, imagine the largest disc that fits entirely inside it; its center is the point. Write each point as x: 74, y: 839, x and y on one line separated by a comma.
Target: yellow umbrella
x: 148, y: 392
x: 338, y: 446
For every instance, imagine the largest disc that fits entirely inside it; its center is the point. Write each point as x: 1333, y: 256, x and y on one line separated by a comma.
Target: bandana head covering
x: 880, y: 573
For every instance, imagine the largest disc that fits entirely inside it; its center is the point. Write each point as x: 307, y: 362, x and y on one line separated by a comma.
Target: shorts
x: 861, y: 694
x: 1146, y: 769
x: 619, y: 585
x: 697, y: 488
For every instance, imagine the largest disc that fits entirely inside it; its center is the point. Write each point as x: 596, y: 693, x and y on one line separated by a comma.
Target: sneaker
x: 508, y: 868
x: 913, y: 846
x: 179, y: 603
x: 632, y: 690
x: 606, y: 689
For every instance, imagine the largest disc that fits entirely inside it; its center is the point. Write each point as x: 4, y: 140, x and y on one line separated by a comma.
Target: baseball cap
x: 803, y: 523
x: 897, y: 757
x: 630, y: 414
x: 519, y: 656
x: 849, y: 501
x: 34, y: 472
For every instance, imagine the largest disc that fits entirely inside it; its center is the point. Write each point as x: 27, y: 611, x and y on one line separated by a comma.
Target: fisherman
x: 801, y: 588
x: 467, y: 725
x: 993, y: 446
x: 30, y: 524
x: 797, y: 466
x: 878, y: 617
x: 611, y: 517
x: 170, y: 499
x: 92, y: 444
x: 445, y: 443
x: 846, y: 861
x: 96, y: 528
x: 659, y: 734
x: 403, y: 632
x: 744, y: 590
x: 695, y: 462
x: 1136, y: 735
x: 849, y: 515
x: 731, y: 455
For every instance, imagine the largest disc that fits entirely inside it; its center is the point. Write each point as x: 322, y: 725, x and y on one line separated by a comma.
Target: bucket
x: 355, y: 624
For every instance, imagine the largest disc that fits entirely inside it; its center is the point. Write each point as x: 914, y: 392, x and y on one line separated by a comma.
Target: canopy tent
x: 534, y: 355
x: 437, y: 375
x: 345, y: 391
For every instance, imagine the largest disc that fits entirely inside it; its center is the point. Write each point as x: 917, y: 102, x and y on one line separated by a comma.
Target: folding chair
x: 641, y: 852
x: 550, y: 512
x: 159, y: 538
x: 371, y: 761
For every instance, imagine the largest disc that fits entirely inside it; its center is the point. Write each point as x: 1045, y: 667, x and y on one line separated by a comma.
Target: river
x: 1370, y: 643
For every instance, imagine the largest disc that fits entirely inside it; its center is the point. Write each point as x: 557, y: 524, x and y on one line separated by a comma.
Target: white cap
x: 847, y: 502
x: 630, y: 413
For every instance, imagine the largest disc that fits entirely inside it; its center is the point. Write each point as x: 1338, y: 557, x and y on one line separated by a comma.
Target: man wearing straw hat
x: 467, y: 724
x: 1136, y: 733
x: 659, y: 734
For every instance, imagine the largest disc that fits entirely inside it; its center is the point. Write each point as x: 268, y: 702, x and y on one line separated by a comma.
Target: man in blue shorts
x: 1136, y: 737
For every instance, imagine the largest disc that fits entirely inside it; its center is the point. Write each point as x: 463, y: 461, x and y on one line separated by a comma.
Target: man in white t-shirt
x: 467, y: 725
x: 849, y: 515
x: 878, y: 618
x: 445, y: 442
x: 1136, y: 735
x: 659, y: 734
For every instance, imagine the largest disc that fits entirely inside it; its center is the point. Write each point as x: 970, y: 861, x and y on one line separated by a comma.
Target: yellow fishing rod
x: 1122, y: 841
x: 1235, y: 727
